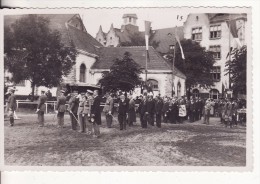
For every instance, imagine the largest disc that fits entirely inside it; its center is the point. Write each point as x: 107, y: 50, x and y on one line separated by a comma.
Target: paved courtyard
x: 187, y: 144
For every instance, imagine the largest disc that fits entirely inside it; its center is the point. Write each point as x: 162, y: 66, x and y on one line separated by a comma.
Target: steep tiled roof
x: 220, y: 17
x: 81, y: 39
x: 107, y: 56
x: 162, y: 37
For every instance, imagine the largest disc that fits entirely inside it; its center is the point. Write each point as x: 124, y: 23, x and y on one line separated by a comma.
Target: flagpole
x: 173, y: 59
x: 146, y: 58
x: 229, y: 56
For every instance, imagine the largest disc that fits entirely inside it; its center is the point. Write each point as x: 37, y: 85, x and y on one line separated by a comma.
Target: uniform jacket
x: 123, y: 107
x: 87, y: 105
x: 158, y: 106
x: 41, y: 102
x: 192, y: 106
x: 11, y: 103
x: 61, y: 104
x: 131, y: 111
x: 109, y: 105
x: 150, y: 106
x: 96, y: 110
x: 81, y: 106
x: 74, y: 104
x: 165, y: 107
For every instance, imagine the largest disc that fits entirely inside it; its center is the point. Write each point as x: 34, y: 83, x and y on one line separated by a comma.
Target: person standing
x: 11, y: 105
x: 61, y: 108
x: 165, y: 109
x: 144, y: 113
x: 108, y: 109
x: 73, y: 109
x: 87, y: 111
x: 150, y: 110
x: 96, y: 114
x: 207, y: 109
x: 131, y: 111
x: 122, y: 112
x: 158, y: 111
x: 41, y: 108
x: 82, y: 100
x: 192, y: 110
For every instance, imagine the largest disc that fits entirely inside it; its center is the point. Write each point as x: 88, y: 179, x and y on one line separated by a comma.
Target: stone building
x: 94, y: 58
x: 212, y: 32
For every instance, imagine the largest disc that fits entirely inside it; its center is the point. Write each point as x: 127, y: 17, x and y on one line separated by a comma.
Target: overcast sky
x: 160, y: 18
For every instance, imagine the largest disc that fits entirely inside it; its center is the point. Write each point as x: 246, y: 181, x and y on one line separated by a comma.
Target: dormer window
x: 130, y: 19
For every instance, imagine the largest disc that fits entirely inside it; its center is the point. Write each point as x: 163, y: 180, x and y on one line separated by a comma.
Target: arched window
x: 153, y: 84
x: 179, y: 89
x: 195, y: 92
x: 214, y: 93
x: 82, y: 76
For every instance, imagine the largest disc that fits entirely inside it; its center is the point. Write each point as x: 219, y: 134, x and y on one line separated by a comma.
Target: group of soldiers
x: 85, y: 110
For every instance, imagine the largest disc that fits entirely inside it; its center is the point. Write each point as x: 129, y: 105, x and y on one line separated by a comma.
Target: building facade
x: 212, y: 32
x: 93, y: 58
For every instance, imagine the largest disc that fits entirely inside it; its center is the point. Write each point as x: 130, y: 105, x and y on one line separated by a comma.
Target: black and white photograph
x: 127, y: 87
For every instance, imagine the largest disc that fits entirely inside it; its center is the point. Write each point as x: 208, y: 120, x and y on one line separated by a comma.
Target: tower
x: 130, y: 19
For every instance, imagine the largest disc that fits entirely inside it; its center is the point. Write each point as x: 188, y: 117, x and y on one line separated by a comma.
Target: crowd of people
x: 85, y: 110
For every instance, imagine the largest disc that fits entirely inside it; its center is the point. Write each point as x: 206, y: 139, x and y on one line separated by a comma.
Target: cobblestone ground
x: 192, y: 144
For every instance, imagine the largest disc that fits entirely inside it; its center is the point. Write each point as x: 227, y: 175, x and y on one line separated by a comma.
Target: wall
x: 164, y: 81
x: 112, y: 39
x: 206, y: 42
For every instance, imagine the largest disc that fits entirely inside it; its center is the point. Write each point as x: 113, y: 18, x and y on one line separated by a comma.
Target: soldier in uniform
x: 87, y: 111
x: 96, y: 114
x: 131, y: 111
x: 207, y: 112
x: 108, y: 109
x: 73, y: 109
x: 11, y: 105
x: 122, y: 112
x: 165, y: 109
x: 158, y: 111
x: 41, y: 108
x: 61, y: 108
x: 150, y: 110
x: 192, y: 110
x: 81, y: 121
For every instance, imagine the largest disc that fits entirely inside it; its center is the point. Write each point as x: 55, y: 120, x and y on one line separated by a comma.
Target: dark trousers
x: 41, y: 117
x: 60, y: 117
x: 109, y: 120
x: 11, y: 116
x: 73, y: 120
x: 143, y: 119
x: 192, y: 116
x: 151, y: 119
x: 158, y: 119
x: 199, y: 114
x: 122, y: 121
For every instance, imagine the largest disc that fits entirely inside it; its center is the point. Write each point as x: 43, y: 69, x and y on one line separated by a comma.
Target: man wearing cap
x: 122, y: 112
x: 11, y: 105
x: 82, y: 99
x: 158, y: 110
x: 108, y: 109
x: 61, y: 108
x: 73, y: 109
x: 96, y: 114
x: 87, y: 111
x: 41, y: 108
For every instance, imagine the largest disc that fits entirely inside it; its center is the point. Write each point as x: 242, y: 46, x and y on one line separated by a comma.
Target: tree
x: 36, y: 53
x: 123, y: 75
x: 197, y: 65
x: 237, y: 68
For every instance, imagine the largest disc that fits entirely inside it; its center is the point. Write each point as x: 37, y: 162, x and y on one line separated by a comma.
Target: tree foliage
x: 197, y: 65
x: 124, y: 75
x: 237, y: 67
x: 35, y: 52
